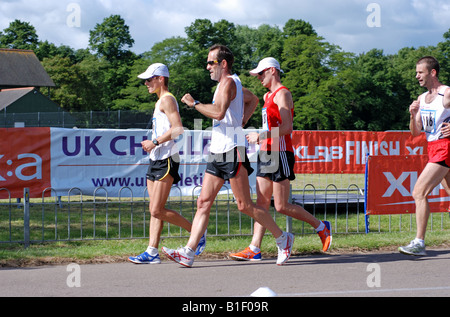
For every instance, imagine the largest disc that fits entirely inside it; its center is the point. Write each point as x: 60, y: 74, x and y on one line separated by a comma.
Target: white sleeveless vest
x: 161, y: 125
x: 228, y: 133
x: 433, y: 115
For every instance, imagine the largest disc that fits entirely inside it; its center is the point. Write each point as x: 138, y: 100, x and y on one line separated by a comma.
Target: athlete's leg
x: 264, y: 196
x: 281, y: 191
x: 431, y: 176
x: 159, y: 192
x: 210, y: 188
x: 241, y: 190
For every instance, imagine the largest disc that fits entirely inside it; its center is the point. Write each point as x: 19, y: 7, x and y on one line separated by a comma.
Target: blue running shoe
x: 202, y: 244
x: 145, y: 258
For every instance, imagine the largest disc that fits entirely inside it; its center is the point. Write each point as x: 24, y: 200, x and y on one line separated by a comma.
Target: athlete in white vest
x: 160, y: 126
x: 228, y: 159
x: 164, y: 162
x: 430, y: 112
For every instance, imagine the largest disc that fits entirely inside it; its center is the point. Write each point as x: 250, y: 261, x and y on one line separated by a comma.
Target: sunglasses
x: 263, y: 71
x: 210, y: 63
x: 151, y: 78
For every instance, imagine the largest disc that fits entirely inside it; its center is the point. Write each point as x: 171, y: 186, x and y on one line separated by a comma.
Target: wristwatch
x: 196, y: 102
x: 155, y: 142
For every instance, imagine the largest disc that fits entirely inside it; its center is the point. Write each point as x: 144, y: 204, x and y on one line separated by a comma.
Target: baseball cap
x: 265, y: 63
x: 156, y: 69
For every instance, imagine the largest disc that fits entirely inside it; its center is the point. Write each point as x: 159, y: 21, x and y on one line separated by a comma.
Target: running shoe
x: 285, y: 249
x: 246, y: 255
x: 180, y: 256
x: 145, y: 258
x: 413, y: 248
x: 326, y: 236
x: 202, y: 244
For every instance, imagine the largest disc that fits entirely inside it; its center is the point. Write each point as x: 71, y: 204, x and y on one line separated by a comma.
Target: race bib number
x: 265, y: 122
x: 429, y: 120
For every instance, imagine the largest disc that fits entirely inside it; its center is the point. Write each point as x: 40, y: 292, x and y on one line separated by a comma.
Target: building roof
x: 9, y: 96
x: 22, y: 68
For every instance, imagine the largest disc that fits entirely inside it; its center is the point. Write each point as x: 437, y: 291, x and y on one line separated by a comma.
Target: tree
x: 19, y: 35
x: 112, y: 40
x: 381, y: 101
x: 313, y: 69
x: 444, y: 58
x: 298, y: 27
x: 332, y: 89
x: 68, y: 80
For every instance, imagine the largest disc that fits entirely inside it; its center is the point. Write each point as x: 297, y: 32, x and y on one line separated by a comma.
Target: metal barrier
x: 99, y: 217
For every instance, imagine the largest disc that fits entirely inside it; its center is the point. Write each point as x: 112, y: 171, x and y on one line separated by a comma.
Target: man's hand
x: 188, y: 100
x: 445, y: 129
x: 253, y: 138
x: 148, y: 145
x: 414, y: 108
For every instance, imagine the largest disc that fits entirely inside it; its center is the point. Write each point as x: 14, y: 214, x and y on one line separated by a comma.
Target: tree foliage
x: 332, y: 89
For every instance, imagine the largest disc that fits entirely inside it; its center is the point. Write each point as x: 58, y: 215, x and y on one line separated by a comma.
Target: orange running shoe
x: 246, y: 255
x: 326, y: 236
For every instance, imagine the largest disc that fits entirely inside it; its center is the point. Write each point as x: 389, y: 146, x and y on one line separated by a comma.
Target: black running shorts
x: 227, y: 165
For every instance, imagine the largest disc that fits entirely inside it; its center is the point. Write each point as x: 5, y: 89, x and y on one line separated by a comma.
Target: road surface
x: 386, y: 274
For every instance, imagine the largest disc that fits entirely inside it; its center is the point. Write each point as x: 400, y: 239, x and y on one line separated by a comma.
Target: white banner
x: 113, y: 162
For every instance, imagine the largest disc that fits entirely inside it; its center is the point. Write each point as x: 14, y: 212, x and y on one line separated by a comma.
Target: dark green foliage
x: 332, y: 89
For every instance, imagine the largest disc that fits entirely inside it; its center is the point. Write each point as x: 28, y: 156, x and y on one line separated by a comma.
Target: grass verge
x: 115, y: 251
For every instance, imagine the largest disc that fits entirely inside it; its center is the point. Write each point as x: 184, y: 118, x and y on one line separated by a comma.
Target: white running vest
x: 228, y: 133
x: 160, y: 125
x: 433, y: 115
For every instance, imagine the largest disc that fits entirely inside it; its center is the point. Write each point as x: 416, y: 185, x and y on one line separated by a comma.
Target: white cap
x: 265, y: 63
x: 156, y: 69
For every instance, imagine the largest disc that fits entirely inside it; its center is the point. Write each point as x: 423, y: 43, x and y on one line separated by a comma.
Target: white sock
x: 281, y: 238
x: 254, y: 249
x: 189, y: 251
x: 419, y: 241
x: 152, y: 251
x: 320, y: 227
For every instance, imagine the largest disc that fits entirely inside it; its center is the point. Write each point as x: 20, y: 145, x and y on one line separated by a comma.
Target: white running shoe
x: 285, y: 248
x: 181, y: 256
x: 413, y: 248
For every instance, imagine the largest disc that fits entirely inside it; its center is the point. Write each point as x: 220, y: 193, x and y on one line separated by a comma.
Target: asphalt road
x: 387, y: 274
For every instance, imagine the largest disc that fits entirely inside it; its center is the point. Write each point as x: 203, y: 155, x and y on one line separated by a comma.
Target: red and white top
x: 434, y: 114
x: 271, y: 120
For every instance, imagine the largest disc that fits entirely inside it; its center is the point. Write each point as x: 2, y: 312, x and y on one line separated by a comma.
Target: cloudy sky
x: 355, y: 25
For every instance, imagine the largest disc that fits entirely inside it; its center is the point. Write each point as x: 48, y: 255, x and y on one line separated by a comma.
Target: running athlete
x: 430, y: 112
x: 276, y: 159
x: 228, y: 159
x: 164, y: 162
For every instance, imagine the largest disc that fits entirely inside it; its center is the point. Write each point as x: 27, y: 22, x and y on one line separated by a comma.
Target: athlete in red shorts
x: 430, y: 112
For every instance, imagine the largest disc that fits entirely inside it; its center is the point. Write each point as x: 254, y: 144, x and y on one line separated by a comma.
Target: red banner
x: 391, y: 182
x: 24, y: 161
x: 345, y: 152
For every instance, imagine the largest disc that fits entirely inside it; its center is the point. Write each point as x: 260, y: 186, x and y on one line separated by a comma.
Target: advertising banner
x: 345, y: 152
x: 390, y: 183
x: 24, y: 161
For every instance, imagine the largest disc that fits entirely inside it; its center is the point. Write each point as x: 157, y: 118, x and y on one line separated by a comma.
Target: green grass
x: 99, y: 232
x: 105, y: 251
